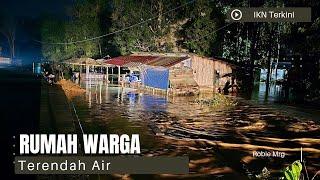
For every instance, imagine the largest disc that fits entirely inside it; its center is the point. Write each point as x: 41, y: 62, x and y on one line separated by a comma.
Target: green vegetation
x: 98, y: 28
x: 217, y: 101
x: 165, y: 26
x: 83, y: 22
x: 198, y: 33
x: 53, y: 31
x: 293, y: 171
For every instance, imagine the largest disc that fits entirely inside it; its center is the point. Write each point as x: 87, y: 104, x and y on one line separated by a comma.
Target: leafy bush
x: 218, y: 100
x: 293, y: 171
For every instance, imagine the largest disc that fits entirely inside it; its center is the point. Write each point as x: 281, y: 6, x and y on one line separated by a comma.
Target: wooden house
x: 211, y: 72
x: 179, y: 73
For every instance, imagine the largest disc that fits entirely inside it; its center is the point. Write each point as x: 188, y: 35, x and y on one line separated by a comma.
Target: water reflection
x: 275, y: 94
x: 219, y: 142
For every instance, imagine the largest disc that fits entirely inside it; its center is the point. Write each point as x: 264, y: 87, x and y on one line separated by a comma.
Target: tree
x: 84, y: 24
x: 52, y: 31
x: 148, y: 25
x: 8, y: 29
x: 63, y: 35
x: 198, y: 34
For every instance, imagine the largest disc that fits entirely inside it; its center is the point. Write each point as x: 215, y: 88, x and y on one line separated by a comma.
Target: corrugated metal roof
x: 164, y: 61
x: 122, y: 60
x: 88, y: 61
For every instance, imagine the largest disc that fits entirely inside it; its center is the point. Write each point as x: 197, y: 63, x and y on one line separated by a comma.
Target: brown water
x: 219, y: 142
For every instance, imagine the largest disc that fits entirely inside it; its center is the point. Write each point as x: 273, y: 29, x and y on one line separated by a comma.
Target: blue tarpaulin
x: 156, y: 77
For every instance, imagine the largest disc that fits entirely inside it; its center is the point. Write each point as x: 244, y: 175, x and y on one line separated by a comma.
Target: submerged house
x: 178, y: 73
x: 212, y: 72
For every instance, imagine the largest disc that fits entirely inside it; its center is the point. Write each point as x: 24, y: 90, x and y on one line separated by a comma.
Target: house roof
x: 164, y: 61
x: 88, y: 61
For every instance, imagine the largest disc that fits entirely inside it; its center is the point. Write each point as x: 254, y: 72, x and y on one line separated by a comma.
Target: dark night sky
x: 33, y: 8
x: 27, y: 15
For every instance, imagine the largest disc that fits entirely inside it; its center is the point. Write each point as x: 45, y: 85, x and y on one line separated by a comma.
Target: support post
x: 80, y: 69
x: 87, y: 71
x: 107, y: 74
x: 111, y: 75
x: 94, y: 73
x: 118, y: 74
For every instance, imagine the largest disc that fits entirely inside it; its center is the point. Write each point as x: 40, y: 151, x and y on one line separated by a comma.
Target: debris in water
x: 71, y: 89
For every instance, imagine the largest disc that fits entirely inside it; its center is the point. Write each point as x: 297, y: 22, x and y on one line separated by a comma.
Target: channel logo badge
x: 236, y: 14
x: 269, y: 14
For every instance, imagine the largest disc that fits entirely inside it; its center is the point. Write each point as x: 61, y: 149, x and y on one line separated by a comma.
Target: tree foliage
x: 170, y: 26
x: 53, y: 31
x: 197, y: 26
x: 83, y: 21
x: 8, y: 27
x: 198, y: 33
x: 152, y: 25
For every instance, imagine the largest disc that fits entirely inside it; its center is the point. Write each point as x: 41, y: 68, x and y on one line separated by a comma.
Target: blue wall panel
x: 156, y: 77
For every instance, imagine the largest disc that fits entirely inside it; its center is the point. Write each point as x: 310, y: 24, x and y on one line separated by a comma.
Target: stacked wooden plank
x: 182, y: 81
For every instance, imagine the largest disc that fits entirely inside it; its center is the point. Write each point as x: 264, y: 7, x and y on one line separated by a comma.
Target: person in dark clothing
x: 70, y: 73
x: 226, y: 87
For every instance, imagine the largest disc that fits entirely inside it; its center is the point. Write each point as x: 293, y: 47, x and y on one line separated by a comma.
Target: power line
x: 117, y: 31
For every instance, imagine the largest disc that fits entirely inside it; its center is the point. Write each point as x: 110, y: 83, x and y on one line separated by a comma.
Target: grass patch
x: 217, y: 101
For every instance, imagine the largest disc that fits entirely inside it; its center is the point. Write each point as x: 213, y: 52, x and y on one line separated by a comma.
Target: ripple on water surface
x: 218, y: 141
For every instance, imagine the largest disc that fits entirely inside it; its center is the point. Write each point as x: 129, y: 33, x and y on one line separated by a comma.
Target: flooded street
x: 219, y: 142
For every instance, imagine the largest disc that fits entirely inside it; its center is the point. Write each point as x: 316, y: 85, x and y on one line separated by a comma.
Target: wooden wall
x: 182, y: 64
x: 204, y: 71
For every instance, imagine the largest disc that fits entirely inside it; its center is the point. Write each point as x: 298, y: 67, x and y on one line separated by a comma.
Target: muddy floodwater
x: 226, y: 143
